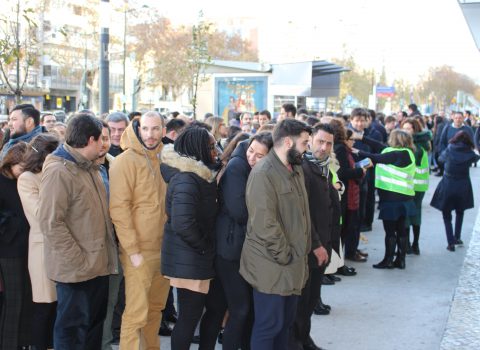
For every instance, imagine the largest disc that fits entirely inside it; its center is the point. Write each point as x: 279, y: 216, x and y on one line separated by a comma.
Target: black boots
x: 402, y: 248
x: 387, y: 262
x: 416, y: 237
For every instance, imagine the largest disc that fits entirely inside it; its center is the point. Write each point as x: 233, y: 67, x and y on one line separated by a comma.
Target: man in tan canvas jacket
x: 137, y: 208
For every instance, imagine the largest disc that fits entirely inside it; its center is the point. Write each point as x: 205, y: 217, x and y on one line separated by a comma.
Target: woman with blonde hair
x: 394, y: 174
x: 219, y: 130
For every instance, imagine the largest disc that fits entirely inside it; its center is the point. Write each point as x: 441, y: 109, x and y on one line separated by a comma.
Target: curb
x: 462, y: 330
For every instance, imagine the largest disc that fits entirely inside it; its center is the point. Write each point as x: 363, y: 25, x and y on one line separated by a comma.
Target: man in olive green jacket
x: 275, y: 252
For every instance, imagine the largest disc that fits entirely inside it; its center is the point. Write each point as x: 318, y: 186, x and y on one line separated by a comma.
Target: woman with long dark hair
x: 15, y: 316
x: 189, y: 168
x: 454, y: 192
x: 43, y: 289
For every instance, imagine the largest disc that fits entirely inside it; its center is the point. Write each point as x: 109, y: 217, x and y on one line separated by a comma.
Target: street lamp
x: 104, y: 63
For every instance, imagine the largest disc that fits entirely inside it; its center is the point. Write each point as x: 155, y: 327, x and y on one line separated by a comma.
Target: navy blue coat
x: 188, y: 249
x: 231, y: 225
x: 454, y: 192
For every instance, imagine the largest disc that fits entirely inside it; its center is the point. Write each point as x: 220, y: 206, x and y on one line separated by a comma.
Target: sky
x: 405, y: 36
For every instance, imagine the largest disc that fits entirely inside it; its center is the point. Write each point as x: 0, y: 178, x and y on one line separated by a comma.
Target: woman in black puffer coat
x: 188, y: 250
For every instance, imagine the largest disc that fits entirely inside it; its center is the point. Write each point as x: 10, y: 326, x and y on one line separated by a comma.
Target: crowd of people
x: 246, y: 218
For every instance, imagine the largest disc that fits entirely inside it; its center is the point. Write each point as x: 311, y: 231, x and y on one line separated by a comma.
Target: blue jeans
x: 81, y: 311
x: 274, y: 316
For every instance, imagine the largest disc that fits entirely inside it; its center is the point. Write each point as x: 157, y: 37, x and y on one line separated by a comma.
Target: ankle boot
x: 402, y: 247
x: 416, y: 237
x: 387, y: 262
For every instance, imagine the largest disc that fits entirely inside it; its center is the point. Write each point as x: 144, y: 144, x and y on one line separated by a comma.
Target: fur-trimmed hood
x: 172, y: 163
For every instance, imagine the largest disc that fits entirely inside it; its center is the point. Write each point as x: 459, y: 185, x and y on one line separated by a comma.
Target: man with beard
x: 319, y: 186
x: 137, y: 207
x: 24, y: 124
x: 274, y: 258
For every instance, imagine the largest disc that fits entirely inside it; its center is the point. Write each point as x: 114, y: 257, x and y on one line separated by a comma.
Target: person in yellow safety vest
x: 421, y: 140
x: 394, y: 175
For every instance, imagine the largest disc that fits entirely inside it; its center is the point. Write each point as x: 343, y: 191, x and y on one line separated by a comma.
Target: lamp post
x: 104, y: 63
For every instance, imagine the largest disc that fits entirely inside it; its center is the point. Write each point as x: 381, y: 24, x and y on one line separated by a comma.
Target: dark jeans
x: 447, y: 220
x: 370, y: 199
x: 274, y: 316
x: 351, y: 232
x: 190, y: 309
x: 306, y: 303
x: 228, y: 288
x: 362, y: 210
x: 43, y: 319
x: 81, y: 311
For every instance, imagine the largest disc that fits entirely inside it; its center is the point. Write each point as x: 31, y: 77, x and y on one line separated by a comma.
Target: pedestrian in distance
x: 454, y: 192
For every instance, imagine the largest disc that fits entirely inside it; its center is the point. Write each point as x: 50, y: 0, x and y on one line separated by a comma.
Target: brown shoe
x: 357, y: 258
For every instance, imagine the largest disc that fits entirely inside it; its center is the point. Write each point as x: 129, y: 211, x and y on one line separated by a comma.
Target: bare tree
x: 198, y: 58
x: 18, y: 48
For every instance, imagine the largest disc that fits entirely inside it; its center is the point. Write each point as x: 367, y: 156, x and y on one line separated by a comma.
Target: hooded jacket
x: 73, y: 215
x: 137, y: 195
x: 275, y: 253
x: 188, y: 249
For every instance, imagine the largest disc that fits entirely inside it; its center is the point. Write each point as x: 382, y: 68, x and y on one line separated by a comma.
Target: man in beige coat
x: 137, y: 208
x: 80, y: 251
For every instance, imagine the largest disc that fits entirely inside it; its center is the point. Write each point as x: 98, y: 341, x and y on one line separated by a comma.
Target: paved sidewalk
x: 395, y: 309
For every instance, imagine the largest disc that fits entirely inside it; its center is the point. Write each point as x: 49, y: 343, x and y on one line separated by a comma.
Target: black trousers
x: 81, y: 310
x: 351, y: 232
x: 370, y: 199
x: 228, y: 290
x: 43, y: 319
x: 190, y: 309
x: 16, y: 311
x: 306, y: 303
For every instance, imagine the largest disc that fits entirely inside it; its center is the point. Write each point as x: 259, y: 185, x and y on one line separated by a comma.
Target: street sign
x: 385, y: 91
